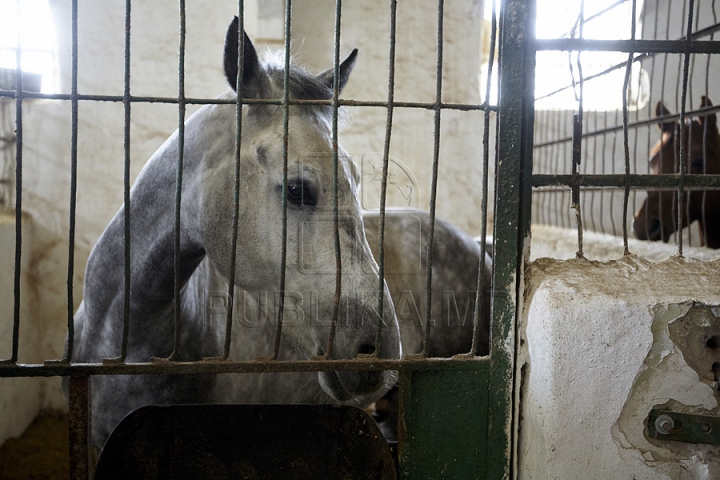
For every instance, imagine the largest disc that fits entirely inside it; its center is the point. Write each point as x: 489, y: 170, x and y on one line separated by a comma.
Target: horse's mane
x: 302, y: 85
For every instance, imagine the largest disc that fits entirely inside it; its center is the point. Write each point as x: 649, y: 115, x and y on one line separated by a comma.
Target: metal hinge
x: 683, y: 427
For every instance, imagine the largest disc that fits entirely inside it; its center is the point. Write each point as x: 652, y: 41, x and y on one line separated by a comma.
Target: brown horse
x: 658, y: 217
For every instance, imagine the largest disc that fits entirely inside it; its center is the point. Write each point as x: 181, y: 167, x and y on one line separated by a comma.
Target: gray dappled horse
x: 205, y: 256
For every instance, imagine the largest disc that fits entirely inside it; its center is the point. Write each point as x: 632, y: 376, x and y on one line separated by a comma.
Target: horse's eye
x: 300, y: 194
x: 697, y: 164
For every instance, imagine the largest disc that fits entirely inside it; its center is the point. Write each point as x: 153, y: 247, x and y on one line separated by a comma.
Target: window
x: 38, y: 44
x: 555, y: 71
x: 604, y: 20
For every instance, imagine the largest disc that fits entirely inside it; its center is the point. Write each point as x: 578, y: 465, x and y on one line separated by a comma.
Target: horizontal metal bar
x: 705, y: 182
x: 657, y: 46
x: 705, y: 32
x: 245, y: 101
x: 641, y: 123
x: 59, y: 369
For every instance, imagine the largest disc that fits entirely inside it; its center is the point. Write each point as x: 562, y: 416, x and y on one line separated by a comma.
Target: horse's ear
x: 255, y: 82
x: 711, y: 118
x: 661, y: 111
x: 344, y: 72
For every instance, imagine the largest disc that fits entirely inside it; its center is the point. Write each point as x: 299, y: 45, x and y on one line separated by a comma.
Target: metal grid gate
x: 590, y: 167
x: 473, y: 395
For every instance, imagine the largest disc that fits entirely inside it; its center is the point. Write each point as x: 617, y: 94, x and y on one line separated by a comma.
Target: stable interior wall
x: 601, y: 344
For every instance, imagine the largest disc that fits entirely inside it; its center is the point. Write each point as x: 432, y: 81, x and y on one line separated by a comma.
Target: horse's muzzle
x: 347, y: 385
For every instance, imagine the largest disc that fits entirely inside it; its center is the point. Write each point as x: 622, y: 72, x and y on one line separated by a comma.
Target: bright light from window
x: 37, y: 39
x: 558, y: 19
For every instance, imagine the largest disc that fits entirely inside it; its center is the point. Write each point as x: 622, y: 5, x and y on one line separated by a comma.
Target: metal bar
x: 18, y: 191
x: 709, y: 31
x: 179, y: 178
x: 126, y: 191
x: 683, y: 153
x: 433, y: 185
x: 236, y: 181
x: 385, y: 168
x: 73, y: 177
x: 650, y: 46
x: 626, y: 146
x: 79, y: 416
x: 336, y: 213
x: 363, y: 363
x: 652, y: 181
x: 512, y: 221
x: 700, y: 112
x: 480, y: 297
x: 248, y: 101
x: 126, y: 183
x: 286, y: 128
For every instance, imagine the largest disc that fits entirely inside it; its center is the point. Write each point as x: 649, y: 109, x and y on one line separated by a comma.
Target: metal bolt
x: 706, y: 428
x: 664, y: 424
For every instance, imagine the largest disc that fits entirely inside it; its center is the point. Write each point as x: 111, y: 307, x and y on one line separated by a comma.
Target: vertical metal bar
x: 286, y: 128
x: 236, y: 182
x: 18, y: 187
x: 73, y: 175
x: 79, y: 398
x: 683, y: 147
x: 179, y: 176
x: 433, y: 186
x: 480, y: 297
x: 386, y: 162
x: 577, y: 137
x: 126, y: 183
x: 126, y: 192
x: 626, y: 196
x: 336, y: 218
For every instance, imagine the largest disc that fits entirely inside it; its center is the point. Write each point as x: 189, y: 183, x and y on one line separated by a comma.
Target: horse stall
x: 220, y: 259
x: 218, y: 284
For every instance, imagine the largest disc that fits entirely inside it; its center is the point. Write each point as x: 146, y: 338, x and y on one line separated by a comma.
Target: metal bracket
x: 683, y: 427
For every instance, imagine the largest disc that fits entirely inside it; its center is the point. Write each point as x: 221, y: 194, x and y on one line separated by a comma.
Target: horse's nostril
x: 366, y: 350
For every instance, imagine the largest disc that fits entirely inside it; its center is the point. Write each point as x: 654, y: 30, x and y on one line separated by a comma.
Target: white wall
x: 596, y: 356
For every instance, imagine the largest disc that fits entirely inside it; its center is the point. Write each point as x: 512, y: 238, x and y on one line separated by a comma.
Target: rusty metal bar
x: 179, y: 179
x: 363, y: 363
x: 248, y: 101
x: 480, y: 297
x: 79, y: 416
x: 433, y: 185
x: 236, y: 181
x: 386, y: 163
x: 286, y: 118
x: 73, y: 177
x: 126, y: 191
x: 336, y: 214
x: 18, y: 191
x: 683, y: 153
x: 653, y: 181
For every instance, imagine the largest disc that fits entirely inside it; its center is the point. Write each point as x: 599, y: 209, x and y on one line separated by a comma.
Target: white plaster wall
x: 366, y: 26
x: 20, y: 398
x: 596, y: 357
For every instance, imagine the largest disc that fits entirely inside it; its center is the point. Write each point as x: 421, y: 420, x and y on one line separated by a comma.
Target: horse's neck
x: 152, y: 262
